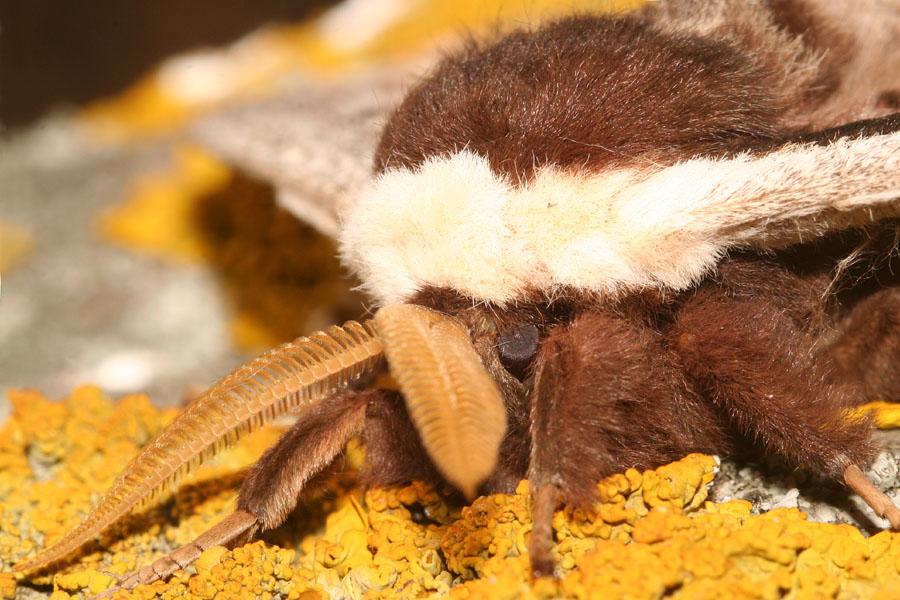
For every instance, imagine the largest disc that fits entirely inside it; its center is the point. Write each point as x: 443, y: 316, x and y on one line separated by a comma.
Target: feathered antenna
x: 291, y: 377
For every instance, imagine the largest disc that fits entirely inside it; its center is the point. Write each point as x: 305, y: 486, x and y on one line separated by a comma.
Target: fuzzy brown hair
x: 590, y: 92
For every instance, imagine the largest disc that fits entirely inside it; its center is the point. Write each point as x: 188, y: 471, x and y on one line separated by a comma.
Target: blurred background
x: 134, y: 259
x: 57, y: 53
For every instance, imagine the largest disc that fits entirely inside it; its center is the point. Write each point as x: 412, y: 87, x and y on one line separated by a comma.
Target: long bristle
x: 285, y: 379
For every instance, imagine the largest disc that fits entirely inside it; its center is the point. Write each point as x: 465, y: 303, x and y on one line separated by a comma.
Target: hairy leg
x: 274, y: 484
x: 759, y: 367
x: 867, y: 349
x: 607, y: 397
x: 394, y: 452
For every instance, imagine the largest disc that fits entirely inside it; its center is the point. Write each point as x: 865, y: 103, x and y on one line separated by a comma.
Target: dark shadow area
x: 58, y: 52
x: 278, y: 272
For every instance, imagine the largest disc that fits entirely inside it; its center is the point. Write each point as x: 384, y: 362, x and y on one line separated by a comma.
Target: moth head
x: 464, y: 369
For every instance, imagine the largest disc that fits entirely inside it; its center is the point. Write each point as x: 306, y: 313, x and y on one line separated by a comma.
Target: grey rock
x: 768, y: 486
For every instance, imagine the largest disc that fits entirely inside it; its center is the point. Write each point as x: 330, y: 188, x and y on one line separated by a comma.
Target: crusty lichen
x: 57, y: 458
x: 648, y: 535
x: 282, y: 278
x: 885, y: 415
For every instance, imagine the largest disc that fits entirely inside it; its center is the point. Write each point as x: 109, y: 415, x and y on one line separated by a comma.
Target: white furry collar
x: 453, y: 223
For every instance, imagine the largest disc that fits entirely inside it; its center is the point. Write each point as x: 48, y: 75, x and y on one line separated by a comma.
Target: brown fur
x: 570, y: 94
x: 867, y: 349
x: 604, y: 393
x: 674, y: 80
x: 754, y: 359
x: 833, y: 61
x: 273, y: 485
x: 608, y: 396
x: 394, y: 451
x: 799, y: 20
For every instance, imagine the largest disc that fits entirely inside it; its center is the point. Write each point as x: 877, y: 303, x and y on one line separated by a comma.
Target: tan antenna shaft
x: 297, y: 374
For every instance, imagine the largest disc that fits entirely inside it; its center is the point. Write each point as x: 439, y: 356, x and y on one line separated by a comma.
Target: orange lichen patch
x: 649, y: 535
x: 253, y: 570
x: 55, y: 460
x: 493, y: 526
x: 497, y: 527
x: 406, y: 560
x: 7, y: 586
x: 15, y: 245
x: 348, y: 38
x: 159, y: 213
x: 283, y: 277
x: 721, y: 551
x: 646, y: 540
x: 886, y: 415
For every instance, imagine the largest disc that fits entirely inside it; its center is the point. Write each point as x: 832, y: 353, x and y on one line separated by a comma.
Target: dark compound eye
x: 517, y: 347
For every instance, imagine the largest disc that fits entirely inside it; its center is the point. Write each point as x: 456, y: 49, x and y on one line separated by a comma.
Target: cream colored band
x: 453, y: 223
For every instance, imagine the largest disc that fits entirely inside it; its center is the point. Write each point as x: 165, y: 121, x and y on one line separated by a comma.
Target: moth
x: 598, y: 244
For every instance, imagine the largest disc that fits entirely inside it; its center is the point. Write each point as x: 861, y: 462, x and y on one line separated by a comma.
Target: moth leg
x: 394, y: 452
x: 546, y: 497
x: 883, y: 506
x: 272, y: 488
x: 230, y: 531
x: 755, y: 364
x: 865, y: 354
x: 607, y: 396
x: 867, y: 348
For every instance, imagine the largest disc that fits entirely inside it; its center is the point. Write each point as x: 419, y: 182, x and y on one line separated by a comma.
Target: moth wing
x: 852, y: 46
x: 795, y: 193
x: 804, y: 190
x: 314, y: 144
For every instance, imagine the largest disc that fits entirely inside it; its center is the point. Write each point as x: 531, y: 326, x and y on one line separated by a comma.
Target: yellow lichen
x: 7, y: 586
x: 886, y: 415
x: 283, y: 277
x: 158, y: 216
x: 15, y: 244
x: 57, y: 458
x: 649, y: 535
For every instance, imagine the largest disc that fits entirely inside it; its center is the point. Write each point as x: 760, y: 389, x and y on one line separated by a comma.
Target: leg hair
x: 758, y: 365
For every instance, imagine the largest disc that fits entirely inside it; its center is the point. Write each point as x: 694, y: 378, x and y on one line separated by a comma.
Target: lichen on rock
x: 652, y: 534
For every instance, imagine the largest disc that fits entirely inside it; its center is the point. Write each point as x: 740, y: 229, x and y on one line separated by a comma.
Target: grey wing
x: 794, y: 193
x: 849, y: 47
x: 314, y: 143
